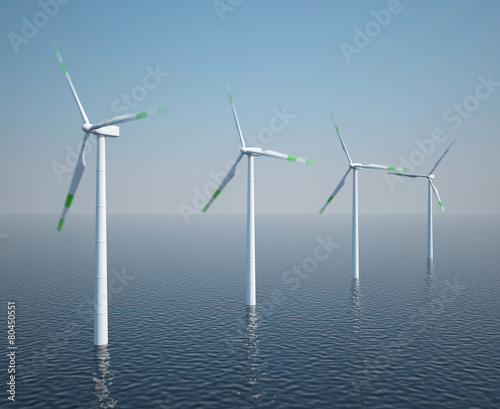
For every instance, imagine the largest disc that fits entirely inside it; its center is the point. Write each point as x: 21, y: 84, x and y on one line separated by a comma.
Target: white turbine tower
x: 251, y: 153
x: 101, y: 131
x: 355, y: 167
x: 430, y: 188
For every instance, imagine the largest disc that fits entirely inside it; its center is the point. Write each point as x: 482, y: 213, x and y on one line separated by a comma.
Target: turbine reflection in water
x: 103, y: 378
x: 252, y: 374
x: 433, y: 306
x: 429, y: 295
x: 355, y: 365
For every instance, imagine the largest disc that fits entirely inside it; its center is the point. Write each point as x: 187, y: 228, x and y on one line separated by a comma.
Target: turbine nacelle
x: 250, y: 151
x: 356, y: 166
x: 112, y: 131
x: 431, y: 177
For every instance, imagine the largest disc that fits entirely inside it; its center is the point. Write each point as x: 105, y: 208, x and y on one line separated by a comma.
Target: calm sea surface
x: 410, y: 335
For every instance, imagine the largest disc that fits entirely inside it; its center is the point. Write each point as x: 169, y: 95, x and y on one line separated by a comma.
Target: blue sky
x: 411, y: 76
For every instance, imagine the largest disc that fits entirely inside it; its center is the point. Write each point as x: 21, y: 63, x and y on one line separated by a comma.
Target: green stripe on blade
x: 406, y: 170
x: 310, y: 162
x: 337, y: 128
x: 141, y: 115
x: 322, y: 210
x: 60, y: 225
x: 329, y: 199
x: 230, y: 98
x: 162, y: 110
x: 69, y: 199
x: 63, y: 67
x: 292, y: 158
x: 205, y: 208
x: 391, y: 168
x: 440, y: 204
x: 217, y: 193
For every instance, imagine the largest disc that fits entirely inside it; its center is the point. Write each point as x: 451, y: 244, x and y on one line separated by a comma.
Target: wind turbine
x: 430, y: 187
x: 101, y: 131
x: 355, y: 167
x: 251, y: 153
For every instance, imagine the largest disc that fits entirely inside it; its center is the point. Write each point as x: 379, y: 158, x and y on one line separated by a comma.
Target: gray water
x: 410, y: 335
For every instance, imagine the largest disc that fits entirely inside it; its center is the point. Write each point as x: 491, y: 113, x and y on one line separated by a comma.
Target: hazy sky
x: 394, y: 73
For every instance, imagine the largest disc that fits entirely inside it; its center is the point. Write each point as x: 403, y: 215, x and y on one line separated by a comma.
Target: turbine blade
x: 130, y: 117
x: 437, y: 197
x: 226, y: 180
x: 77, y: 176
x: 408, y: 175
x: 384, y: 167
x: 284, y: 156
x: 66, y: 73
x: 339, y: 186
x: 441, y: 158
x: 341, y: 140
x: 242, y: 141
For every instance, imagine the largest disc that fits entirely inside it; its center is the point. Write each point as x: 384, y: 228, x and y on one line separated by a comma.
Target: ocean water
x: 409, y: 335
